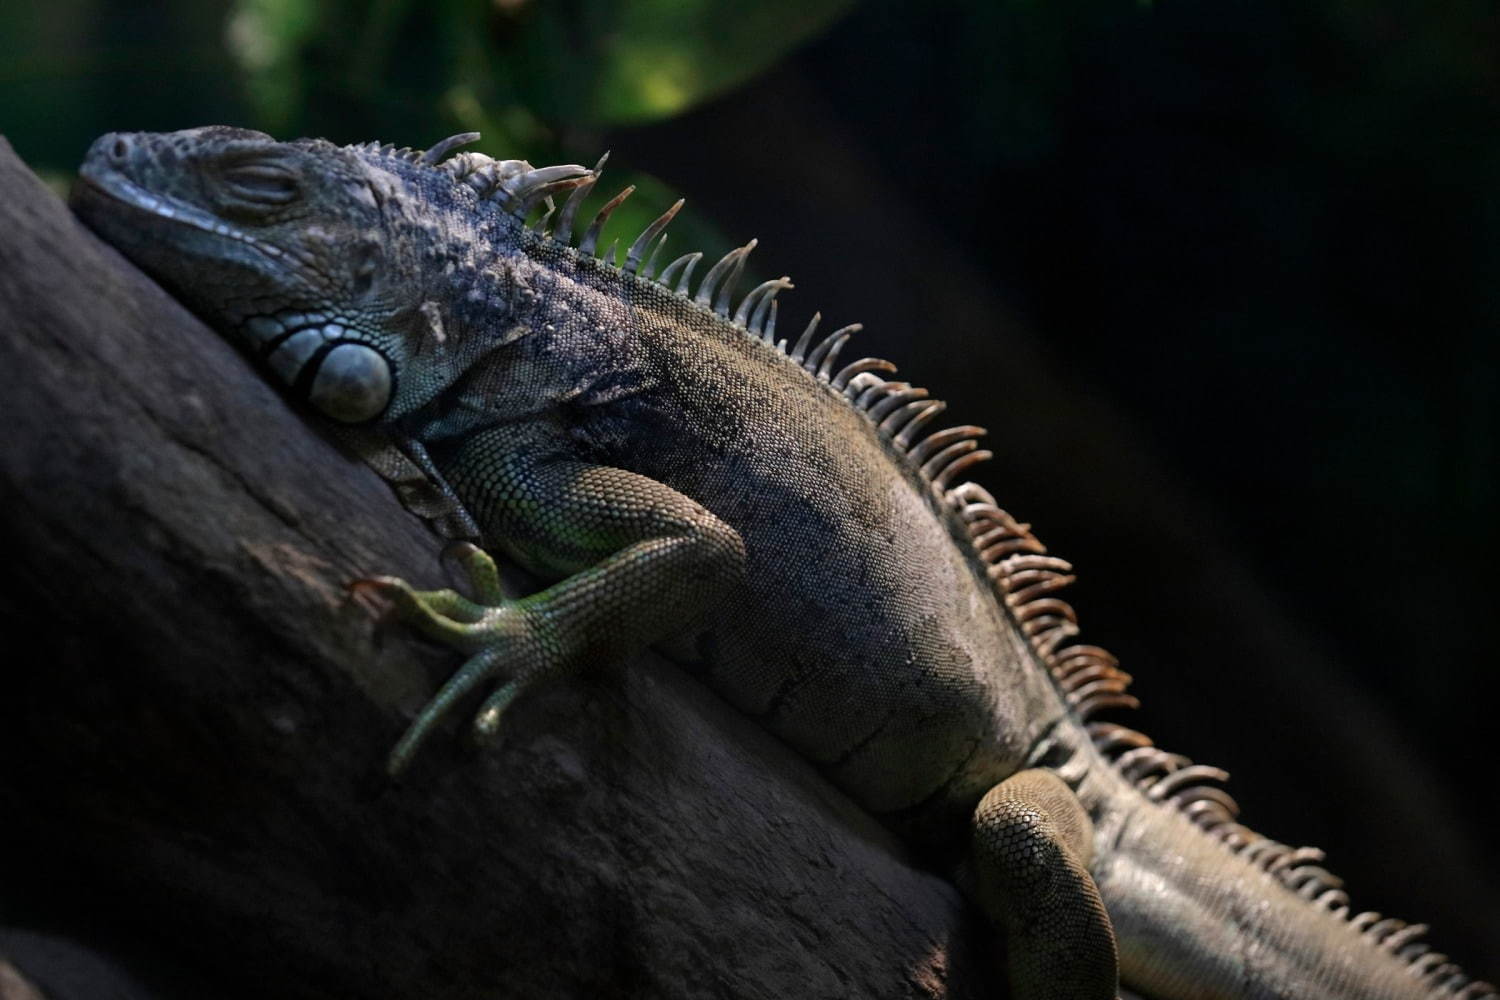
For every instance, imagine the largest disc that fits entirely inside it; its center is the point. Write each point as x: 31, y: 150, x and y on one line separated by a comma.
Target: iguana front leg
x: 638, y: 562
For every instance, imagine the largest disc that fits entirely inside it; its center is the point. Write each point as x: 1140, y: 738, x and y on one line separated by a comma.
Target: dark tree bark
x: 196, y: 727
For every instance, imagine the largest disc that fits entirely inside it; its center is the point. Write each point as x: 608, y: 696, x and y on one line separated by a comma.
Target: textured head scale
x: 333, y: 264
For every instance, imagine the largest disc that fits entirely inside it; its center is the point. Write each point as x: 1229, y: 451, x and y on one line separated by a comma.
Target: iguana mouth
x: 98, y: 181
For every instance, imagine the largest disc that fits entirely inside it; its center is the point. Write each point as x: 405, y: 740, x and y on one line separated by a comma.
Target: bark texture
x: 196, y: 733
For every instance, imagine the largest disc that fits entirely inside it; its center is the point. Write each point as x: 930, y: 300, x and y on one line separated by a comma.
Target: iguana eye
x: 353, y: 384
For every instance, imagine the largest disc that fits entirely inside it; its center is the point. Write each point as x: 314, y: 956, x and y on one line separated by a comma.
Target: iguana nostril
x: 119, y: 150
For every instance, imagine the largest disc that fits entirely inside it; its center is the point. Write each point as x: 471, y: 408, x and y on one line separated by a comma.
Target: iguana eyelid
x: 255, y: 176
x: 262, y: 183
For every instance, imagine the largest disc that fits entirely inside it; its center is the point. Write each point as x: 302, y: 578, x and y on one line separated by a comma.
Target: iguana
x: 784, y: 523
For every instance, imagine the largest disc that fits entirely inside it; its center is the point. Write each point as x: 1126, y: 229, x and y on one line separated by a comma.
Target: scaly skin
x: 784, y: 527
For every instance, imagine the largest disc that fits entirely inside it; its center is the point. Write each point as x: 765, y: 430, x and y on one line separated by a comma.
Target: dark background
x: 1219, y: 278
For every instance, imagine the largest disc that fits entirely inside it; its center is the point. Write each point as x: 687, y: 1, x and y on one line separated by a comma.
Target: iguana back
x: 856, y: 636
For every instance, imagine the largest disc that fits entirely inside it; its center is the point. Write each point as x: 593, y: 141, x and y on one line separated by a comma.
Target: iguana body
x: 787, y: 526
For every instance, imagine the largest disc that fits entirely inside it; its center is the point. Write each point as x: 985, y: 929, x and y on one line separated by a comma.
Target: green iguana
x: 783, y: 523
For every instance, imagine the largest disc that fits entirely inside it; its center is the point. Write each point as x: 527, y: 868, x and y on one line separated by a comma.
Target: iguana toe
x: 479, y: 669
x: 444, y: 615
x: 486, y: 728
x: 480, y: 569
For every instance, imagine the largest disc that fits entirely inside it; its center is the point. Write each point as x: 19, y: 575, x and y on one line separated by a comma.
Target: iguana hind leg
x: 1030, y: 845
x: 638, y: 562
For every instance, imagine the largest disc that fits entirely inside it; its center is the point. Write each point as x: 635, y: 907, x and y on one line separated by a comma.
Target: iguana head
x: 334, y: 264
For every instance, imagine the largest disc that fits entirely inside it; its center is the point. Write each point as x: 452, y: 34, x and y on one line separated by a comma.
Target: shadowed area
x: 197, y: 758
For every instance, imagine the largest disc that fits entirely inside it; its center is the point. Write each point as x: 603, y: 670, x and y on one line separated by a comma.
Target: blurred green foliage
x: 516, y: 66
x: 540, y: 80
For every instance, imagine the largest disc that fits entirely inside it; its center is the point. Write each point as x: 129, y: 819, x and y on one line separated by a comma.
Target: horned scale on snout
x: 668, y: 463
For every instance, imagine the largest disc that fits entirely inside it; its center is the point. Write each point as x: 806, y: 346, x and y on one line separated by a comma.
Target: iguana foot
x: 503, y: 637
x: 636, y: 562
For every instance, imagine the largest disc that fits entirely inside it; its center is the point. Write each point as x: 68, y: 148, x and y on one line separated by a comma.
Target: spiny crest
x: 519, y: 188
x: 900, y: 412
x: 1025, y: 578
x: 378, y: 148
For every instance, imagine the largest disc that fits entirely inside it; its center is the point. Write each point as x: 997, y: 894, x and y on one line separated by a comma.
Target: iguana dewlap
x: 783, y: 522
